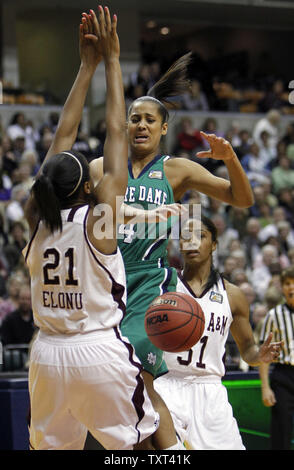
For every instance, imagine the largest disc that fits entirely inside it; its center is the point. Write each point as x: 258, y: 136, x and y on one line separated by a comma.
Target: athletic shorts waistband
x: 77, y: 338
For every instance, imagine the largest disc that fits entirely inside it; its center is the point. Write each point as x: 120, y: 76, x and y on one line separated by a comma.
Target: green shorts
x: 144, y: 283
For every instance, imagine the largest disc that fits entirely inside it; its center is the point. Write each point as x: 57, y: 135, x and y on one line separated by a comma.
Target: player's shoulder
x: 177, y: 162
x: 234, y: 293
x: 96, y: 169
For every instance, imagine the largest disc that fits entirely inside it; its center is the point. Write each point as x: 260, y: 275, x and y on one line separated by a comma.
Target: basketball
x: 174, y: 322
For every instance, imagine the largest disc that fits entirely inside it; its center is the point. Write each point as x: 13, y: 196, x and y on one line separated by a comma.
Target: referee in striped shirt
x: 278, y: 391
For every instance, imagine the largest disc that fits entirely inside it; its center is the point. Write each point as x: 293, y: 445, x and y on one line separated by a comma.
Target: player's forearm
x: 241, y: 191
x: 251, y: 355
x: 264, y: 374
x: 116, y: 140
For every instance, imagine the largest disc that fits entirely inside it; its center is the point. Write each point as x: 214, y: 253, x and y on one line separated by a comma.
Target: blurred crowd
x: 254, y: 244
x: 225, y: 84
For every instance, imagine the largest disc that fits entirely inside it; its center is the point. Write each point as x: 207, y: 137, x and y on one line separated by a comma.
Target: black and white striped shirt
x: 280, y: 321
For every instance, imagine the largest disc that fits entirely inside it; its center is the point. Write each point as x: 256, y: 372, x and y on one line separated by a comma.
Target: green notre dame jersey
x: 144, y: 250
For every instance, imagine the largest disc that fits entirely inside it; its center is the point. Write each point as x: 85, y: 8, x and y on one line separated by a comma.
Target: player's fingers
x: 204, y: 154
x: 81, y: 32
x: 95, y: 23
x: 90, y: 24
x: 268, y: 339
x: 114, y: 24
x: 85, y: 24
x: 107, y: 19
x: 208, y: 136
x: 91, y: 37
x: 101, y: 20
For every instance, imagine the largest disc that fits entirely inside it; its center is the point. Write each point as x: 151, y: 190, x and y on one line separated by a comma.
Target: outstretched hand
x: 269, y: 352
x: 220, y: 149
x: 102, y: 32
x: 90, y: 50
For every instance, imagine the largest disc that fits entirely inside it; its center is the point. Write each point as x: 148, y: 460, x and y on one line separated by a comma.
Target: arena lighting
x: 151, y: 24
x: 164, y: 31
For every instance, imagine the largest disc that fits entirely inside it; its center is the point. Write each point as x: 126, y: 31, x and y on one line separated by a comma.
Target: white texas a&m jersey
x: 206, y: 358
x: 75, y: 288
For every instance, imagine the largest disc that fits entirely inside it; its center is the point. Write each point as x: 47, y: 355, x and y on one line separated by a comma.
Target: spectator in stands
x: 51, y: 124
x: 18, y: 326
x: 5, y: 183
x: 258, y: 315
x: 241, y: 261
x: 3, y: 231
x: 18, y: 147
x: 254, y: 165
x: 210, y: 126
x: 141, y: 77
x: 82, y: 144
x: 275, y: 98
x: 239, y: 276
x: 244, y: 145
x: 269, y: 123
x: 31, y: 158
x: 230, y: 264
x: 285, y: 235
x: 261, y: 272
x: 278, y: 215
x: 215, y: 207
x: 260, y: 198
x: 267, y: 153
x: 291, y: 256
x: 234, y: 130
x: 24, y: 177
x: 286, y: 201
x: 15, y: 208
x: 195, y: 100
x: 251, y: 297
x: 20, y: 127
x: 269, y: 197
x: 188, y: 139
x: 251, y: 241
x: 17, y: 242
x: 225, y: 235
x: 98, y: 135
x: 237, y: 219
x: 10, y: 302
x: 282, y: 175
x: 44, y: 144
x: 9, y: 163
x: 272, y: 297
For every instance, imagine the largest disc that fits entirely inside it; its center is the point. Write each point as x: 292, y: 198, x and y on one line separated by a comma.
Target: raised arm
x: 70, y: 118
x: 113, y: 182
x: 185, y: 174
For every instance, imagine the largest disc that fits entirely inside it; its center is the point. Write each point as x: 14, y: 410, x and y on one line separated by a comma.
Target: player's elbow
x: 246, y: 201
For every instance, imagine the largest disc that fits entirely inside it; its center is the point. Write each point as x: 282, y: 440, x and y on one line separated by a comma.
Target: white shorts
x: 87, y: 382
x: 201, y: 413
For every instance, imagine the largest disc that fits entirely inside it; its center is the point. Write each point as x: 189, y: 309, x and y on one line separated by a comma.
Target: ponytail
x: 47, y: 202
x: 174, y: 82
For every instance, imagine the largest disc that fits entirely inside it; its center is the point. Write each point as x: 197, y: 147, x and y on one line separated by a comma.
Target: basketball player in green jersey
x: 157, y: 179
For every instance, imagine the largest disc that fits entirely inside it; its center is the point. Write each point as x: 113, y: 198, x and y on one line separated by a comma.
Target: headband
x: 81, y: 173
